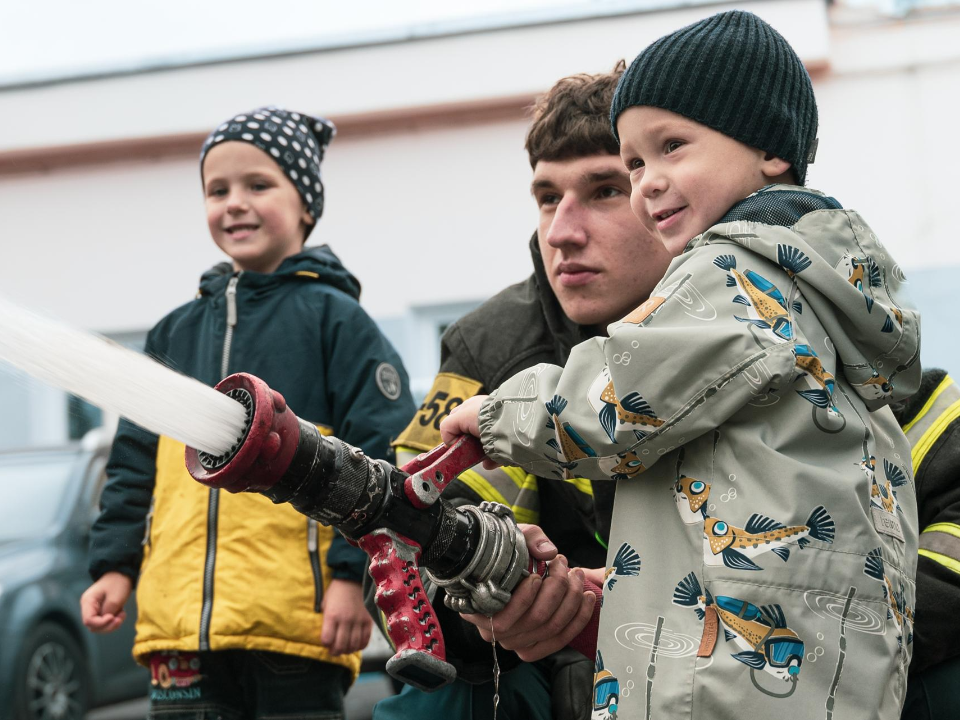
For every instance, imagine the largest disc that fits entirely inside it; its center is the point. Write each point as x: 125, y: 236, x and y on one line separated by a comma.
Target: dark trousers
x: 246, y: 685
x: 524, y: 695
x: 934, y: 694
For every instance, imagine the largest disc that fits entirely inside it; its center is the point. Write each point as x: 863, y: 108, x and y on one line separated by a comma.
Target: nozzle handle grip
x: 412, y: 624
x: 431, y: 472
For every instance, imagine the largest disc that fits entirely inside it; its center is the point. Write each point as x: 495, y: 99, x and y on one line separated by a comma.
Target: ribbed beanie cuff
x: 731, y: 72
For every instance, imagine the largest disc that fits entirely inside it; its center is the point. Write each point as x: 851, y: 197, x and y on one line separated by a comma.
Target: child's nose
x: 652, y: 183
x: 237, y: 202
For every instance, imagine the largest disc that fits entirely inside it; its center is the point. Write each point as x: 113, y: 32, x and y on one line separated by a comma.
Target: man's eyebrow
x: 593, y: 178
x: 541, y: 184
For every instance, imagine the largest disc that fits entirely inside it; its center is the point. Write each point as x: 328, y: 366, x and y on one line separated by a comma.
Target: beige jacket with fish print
x: 764, y: 541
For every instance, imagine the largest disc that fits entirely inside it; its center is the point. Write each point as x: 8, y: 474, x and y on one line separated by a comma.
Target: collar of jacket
x: 317, y: 263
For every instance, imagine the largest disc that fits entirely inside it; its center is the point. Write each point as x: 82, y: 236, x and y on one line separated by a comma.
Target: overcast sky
x: 43, y: 38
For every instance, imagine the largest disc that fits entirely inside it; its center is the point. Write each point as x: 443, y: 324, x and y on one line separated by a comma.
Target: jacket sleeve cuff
x: 99, y: 568
x: 487, y: 419
x: 345, y: 561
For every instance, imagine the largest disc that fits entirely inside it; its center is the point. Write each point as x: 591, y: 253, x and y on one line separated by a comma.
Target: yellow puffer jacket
x: 220, y: 571
x: 251, y: 538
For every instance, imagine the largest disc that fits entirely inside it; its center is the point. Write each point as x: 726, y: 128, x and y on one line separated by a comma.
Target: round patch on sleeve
x: 388, y: 380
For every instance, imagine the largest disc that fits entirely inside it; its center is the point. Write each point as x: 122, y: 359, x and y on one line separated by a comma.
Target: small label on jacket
x: 887, y: 523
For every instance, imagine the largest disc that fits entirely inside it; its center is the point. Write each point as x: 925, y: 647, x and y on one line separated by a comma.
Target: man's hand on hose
x: 101, y: 605
x: 346, y: 622
x: 464, y: 420
x: 543, y: 615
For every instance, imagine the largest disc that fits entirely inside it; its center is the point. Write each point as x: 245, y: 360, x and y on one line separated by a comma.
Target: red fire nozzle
x: 265, y: 449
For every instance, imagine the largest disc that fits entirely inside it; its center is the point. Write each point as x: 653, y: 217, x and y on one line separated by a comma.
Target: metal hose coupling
x: 500, y: 562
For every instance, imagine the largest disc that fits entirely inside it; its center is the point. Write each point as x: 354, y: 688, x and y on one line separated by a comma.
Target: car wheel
x: 51, y: 676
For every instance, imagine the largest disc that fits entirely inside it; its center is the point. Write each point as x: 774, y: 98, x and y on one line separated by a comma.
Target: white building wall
x: 429, y: 217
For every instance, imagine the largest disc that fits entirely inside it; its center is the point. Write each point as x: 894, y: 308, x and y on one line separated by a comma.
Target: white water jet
x: 115, y: 378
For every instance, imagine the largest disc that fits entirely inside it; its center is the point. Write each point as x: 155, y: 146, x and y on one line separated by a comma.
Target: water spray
x: 120, y: 380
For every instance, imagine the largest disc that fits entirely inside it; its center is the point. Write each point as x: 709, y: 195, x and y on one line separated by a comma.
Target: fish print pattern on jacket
x: 606, y: 693
x: 691, y: 495
x: 632, y: 410
x: 766, y: 642
x: 863, y: 273
x: 768, y: 310
x: 735, y: 547
x: 726, y: 544
x: 899, y: 612
x: 568, y: 443
x: 626, y: 563
x: 882, y: 494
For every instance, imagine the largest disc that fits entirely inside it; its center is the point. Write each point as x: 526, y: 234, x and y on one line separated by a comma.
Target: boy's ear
x: 772, y: 166
x: 308, y: 222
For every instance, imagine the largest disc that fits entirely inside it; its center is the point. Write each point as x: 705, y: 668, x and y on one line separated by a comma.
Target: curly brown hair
x: 573, y: 118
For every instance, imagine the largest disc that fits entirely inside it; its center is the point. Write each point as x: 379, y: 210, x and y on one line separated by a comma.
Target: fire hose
x: 476, y: 554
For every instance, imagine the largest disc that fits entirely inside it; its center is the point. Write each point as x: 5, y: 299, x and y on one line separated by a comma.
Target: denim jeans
x: 245, y: 685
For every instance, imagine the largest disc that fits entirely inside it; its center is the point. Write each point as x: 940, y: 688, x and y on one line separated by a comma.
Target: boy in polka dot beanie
x: 245, y: 609
x: 295, y: 141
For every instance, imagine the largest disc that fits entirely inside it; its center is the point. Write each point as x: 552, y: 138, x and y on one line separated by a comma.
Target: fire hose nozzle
x: 477, y: 554
x: 266, y: 447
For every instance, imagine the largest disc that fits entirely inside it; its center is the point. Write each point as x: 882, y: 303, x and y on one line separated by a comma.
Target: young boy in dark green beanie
x: 764, y: 541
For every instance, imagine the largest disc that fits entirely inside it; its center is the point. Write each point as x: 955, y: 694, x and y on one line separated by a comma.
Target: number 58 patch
x: 448, y: 391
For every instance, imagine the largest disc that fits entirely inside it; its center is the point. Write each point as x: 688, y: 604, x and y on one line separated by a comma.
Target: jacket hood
x: 847, y: 277
x: 566, y: 332
x: 318, y: 262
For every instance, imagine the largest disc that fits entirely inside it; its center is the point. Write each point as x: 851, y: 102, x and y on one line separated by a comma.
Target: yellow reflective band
x: 927, y: 440
x: 476, y: 482
x: 405, y: 454
x: 530, y: 483
x: 324, y: 430
x: 523, y: 515
x: 521, y: 478
x: 307, y: 273
x: 948, y: 528
x: 582, y: 484
x: 947, y: 562
x: 944, y: 384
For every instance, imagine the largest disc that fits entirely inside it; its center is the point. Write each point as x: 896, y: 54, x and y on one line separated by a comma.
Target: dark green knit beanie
x: 734, y: 73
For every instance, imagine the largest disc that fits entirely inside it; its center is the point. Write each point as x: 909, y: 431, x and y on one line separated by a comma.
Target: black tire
x: 51, y: 678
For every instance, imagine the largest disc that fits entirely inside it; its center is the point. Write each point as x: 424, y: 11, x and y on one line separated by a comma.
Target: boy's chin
x: 675, y: 244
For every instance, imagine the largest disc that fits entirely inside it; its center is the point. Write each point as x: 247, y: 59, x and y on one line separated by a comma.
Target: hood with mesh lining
x: 847, y: 277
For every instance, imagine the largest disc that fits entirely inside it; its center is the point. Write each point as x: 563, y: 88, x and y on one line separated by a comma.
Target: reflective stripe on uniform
x: 581, y: 484
x: 510, y: 486
x: 487, y: 491
x: 941, y: 543
x: 941, y: 409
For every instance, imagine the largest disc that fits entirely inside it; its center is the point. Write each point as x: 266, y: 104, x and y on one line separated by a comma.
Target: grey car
x: 51, y: 667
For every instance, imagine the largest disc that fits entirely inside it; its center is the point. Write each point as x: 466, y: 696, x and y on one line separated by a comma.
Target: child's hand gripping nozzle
x: 477, y: 554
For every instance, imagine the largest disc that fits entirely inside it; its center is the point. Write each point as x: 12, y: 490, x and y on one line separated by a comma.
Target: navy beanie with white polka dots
x: 296, y: 141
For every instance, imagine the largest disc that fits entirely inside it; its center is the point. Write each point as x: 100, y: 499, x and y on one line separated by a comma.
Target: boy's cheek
x: 639, y: 207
